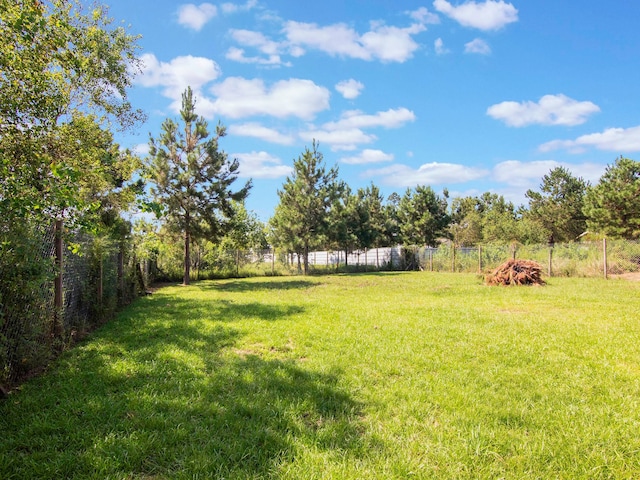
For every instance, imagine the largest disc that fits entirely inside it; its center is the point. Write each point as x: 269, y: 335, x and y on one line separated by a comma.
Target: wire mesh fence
x: 585, y: 259
x: 51, y: 295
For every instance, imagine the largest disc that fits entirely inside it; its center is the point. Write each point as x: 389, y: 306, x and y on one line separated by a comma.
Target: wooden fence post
x: 453, y: 257
x: 604, y: 256
x: 479, y: 258
x: 100, y: 279
x: 58, y: 299
x: 121, y: 274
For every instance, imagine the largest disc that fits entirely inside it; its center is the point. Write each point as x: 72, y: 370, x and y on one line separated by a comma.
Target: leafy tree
x: 283, y: 230
x: 528, y: 230
x: 192, y: 178
x: 247, y: 231
x: 99, y: 175
x: 301, y: 219
x: 423, y: 216
x: 559, y: 204
x: 612, y: 207
x: 499, y: 219
x: 57, y: 63
x: 466, y: 221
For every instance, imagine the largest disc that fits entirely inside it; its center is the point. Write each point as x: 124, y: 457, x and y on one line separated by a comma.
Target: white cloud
x: 238, y: 55
x: 612, y: 139
x: 368, y: 156
x: 256, y: 130
x: 428, y: 174
x: 176, y: 75
x: 522, y: 174
x: 336, y: 39
x: 478, y: 46
x: 238, y: 97
x: 488, y: 15
x: 343, y: 139
x: 141, y: 149
x: 234, y: 7
x: 350, y: 89
x: 257, y: 40
x: 271, y: 49
x: 525, y: 175
x: 196, y: 16
x: 391, y: 44
x: 347, y: 133
x: 381, y: 42
x: 261, y: 165
x: 392, y: 118
x: 439, y: 47
x: 550, y: 110
x: 424, y: 16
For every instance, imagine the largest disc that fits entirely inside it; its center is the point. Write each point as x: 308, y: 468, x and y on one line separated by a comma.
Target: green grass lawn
x: 395, y: 375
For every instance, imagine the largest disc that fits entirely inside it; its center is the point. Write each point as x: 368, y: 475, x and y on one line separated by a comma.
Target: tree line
x: 318, y: 210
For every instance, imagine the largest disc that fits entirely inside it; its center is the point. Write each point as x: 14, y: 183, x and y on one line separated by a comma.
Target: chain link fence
x: 51, y: 294
x: 584, y: 259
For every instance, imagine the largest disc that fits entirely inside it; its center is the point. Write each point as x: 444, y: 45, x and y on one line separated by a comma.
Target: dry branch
x: 516, y: 272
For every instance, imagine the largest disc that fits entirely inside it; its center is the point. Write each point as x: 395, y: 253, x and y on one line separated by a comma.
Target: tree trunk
x: 346, y: 257
x: 187, y: 258
x: 306, y: 259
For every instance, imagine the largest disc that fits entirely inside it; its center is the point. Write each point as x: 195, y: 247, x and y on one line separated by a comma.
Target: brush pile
x: 516, y: 272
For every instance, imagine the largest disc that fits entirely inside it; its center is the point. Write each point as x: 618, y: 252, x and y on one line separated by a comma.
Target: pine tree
x: 301, y: 218
x: 346, y: 221
x: 423, y: 216
x: 613, y: 206
x: 192, y: 178
x: 558, y: 208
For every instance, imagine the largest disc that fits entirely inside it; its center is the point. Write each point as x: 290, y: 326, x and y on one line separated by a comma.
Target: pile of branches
x: 516, y: 272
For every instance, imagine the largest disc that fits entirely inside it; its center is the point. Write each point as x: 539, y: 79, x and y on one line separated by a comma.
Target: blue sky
x: 470, y: 96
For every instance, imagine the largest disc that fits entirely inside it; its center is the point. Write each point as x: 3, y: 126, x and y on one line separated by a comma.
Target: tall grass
x: 394, y: 375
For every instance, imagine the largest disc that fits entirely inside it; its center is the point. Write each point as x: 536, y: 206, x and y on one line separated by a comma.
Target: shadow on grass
x: 163, y: 396
x: 249, y: 286
x: 169, y: 308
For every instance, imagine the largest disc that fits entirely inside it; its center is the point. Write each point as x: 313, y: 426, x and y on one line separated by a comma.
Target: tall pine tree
x: 301, y: 218
x: 613, y: 206
x: 558, y: 206
x: 192, y: 178
x: 423, y: 216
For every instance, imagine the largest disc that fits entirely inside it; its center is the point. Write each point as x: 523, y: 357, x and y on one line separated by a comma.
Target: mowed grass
x: 370, y: 376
